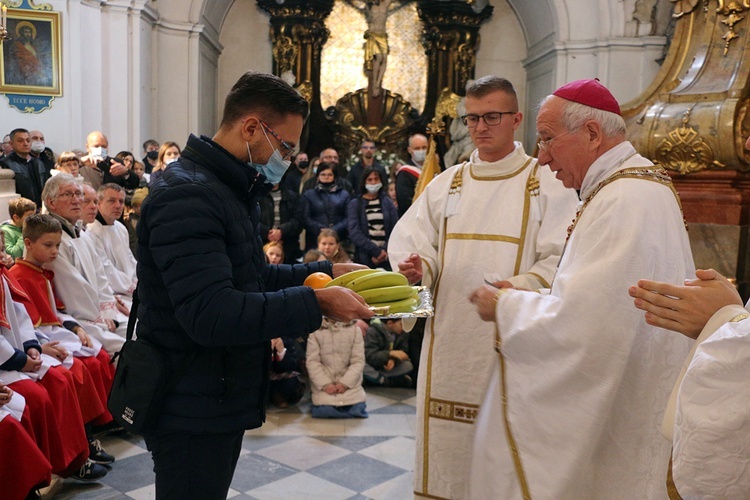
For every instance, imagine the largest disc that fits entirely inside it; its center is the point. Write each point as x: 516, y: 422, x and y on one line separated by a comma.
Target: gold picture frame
x: 30, y: 62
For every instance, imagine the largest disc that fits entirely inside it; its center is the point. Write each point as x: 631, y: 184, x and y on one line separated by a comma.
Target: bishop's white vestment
x: 476, y: 221
x: 580, y: 382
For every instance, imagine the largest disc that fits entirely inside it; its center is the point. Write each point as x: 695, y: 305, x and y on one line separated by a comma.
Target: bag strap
x: 182, y: 367
x: 133, y: 314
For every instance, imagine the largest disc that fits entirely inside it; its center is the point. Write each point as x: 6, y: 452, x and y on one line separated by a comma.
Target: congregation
x: 69, y: 277
x: 547, y: 382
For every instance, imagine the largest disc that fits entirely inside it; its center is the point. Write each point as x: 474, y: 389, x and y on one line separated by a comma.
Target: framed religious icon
x: 30, y: 62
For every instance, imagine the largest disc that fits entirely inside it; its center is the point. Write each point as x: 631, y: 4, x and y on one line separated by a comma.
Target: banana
x: 386, y: 294
x: 378, y: 279
x: 400, y: 306
x: 345, y: 279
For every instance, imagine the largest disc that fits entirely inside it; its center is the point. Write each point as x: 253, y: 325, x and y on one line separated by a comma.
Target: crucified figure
x: 376, y: 39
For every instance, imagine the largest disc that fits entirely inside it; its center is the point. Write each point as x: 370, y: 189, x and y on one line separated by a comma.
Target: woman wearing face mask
x: 324, y: 206
x: 370, y: 219
x: 168, y: 152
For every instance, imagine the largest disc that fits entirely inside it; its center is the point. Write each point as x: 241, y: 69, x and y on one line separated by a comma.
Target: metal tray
x: 424, y: 310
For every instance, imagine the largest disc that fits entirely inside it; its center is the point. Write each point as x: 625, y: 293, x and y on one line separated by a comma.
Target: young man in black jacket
x: 207, y: 296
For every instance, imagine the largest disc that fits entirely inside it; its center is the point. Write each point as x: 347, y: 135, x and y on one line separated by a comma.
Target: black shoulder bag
x: 142, y: 380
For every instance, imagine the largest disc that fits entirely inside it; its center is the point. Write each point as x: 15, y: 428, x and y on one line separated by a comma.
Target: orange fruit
x: 317, y: 280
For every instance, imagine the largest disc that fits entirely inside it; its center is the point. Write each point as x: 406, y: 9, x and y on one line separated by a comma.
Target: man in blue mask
x: 208, y: 299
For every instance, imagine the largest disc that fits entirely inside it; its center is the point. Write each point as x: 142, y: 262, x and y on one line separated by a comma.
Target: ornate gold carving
x: 727, y: 7
x: 732, y: 11
x: 354, y: 124
x: 14, y: 4
x: 284, y: 53
x: 465, y: 61
x: 305, y: 89
x: 683, y: 7
x: 684, y: 151
x: 447, y: 105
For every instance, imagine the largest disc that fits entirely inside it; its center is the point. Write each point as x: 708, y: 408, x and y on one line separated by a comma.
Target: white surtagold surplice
x: 476, y: 221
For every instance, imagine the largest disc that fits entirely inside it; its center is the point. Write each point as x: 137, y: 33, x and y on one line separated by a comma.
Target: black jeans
x: 194, y: 466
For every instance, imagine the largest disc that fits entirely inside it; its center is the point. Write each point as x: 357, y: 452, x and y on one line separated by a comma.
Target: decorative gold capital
x: 684, y: 151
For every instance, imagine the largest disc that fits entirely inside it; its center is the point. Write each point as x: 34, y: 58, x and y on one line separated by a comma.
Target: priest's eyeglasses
x: 287, y: 150
x: 544, y: 145
x: 490, y: 119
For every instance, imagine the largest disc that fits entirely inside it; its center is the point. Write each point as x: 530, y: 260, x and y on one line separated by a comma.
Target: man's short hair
x: 19, y: 206
x: 52, y: 186
x: 366, y: 141
x: 264, y: 94
x: 38, y: 225
x: 17, y: 131
x: 491, y: 83
x: 148, y: 143
x: 109, y: 185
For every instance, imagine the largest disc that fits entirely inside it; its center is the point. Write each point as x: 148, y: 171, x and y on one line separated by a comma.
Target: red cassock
x: 23, y: 466
x: 63, y: 452
x: 36, y: 283
x: 57, y: 382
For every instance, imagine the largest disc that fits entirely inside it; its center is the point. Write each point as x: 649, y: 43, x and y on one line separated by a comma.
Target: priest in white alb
x: 111, y: 239
x: 580, y: 381
x: 80, y: 280
x: 498, y: 216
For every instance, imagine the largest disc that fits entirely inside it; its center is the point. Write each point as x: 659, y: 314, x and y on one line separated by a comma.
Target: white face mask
x: 37, y: 146
x: 99, y: 152
x: 419, y: 155
x: 373, y: 188
x: 171, y: 160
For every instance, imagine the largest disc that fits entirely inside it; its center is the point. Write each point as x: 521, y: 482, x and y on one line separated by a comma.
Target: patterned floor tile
x: 356, y: 458
x: 145, y: 493
x: 394, y: 409
x: 398, y: 488
x: 354, y: 443
x: 254, y: 471
x: 301, y: 485
x: 303, y: 453
x: 356, y: 472
x: 254, y: 442
x: 379, y: 425
x: 88, y: 491
x: 131, y: 473
x: 398, y: 451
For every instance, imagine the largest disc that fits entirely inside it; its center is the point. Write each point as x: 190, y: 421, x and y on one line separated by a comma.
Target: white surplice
x: 113, y: 245
x: 81, y: 284
x: 585, y: 379
x: 507, y: 221
x: 711, y: 425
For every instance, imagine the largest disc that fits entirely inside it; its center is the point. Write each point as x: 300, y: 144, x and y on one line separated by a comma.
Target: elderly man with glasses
x: 575, y: 403
x: 80, y: 280
x: 498, y: 216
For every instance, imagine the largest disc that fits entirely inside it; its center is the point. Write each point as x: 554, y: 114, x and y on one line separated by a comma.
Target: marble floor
x: 292, y: 456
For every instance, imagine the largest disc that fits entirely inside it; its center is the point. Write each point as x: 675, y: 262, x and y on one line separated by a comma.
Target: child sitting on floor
x: 335, y: 362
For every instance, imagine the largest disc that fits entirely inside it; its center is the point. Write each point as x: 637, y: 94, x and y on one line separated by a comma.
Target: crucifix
x: 376, y: 13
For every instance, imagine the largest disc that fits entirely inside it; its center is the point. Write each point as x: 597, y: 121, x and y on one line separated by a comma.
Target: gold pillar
x: 693, y: 120
x: 298, y: 34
